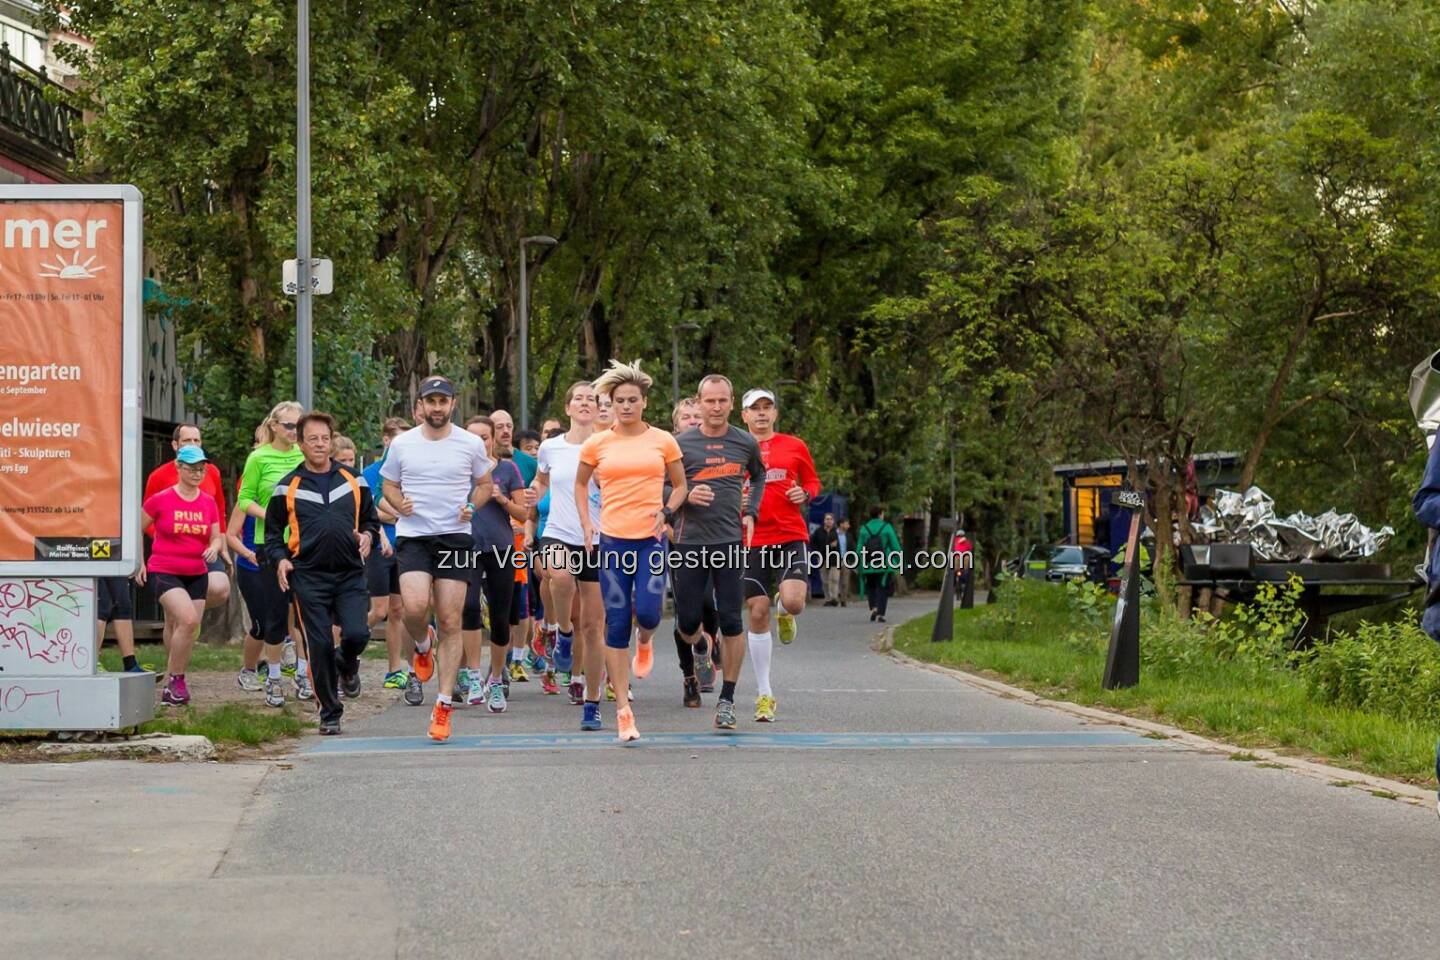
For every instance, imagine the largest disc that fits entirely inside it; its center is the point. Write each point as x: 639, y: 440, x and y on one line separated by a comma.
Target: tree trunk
x: 501, y: 364
x: 1276, y: 394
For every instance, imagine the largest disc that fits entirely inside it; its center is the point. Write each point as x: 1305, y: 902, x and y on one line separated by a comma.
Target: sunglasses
x: 289, y: 424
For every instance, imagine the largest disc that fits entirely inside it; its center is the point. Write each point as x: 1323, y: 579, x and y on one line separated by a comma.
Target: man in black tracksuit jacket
x: 319, y: 527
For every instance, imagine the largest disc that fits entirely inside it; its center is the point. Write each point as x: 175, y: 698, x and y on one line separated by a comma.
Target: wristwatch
x: 667, y: 513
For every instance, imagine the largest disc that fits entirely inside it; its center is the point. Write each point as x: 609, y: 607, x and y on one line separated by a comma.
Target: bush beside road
x: 1362, y: 699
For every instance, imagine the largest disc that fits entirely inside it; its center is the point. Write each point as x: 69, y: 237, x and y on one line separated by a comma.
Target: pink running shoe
x: 176, y: 694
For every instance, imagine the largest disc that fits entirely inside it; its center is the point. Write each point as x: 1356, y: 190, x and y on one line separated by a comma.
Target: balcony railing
x: 26, y: 111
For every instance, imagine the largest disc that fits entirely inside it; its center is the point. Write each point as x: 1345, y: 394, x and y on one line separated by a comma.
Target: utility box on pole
x: 71, y: 279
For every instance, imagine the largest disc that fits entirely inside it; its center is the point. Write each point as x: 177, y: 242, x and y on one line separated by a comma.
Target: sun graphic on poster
x: 74, y: 270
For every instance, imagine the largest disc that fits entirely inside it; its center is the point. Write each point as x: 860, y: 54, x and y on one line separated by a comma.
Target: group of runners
x: 553, y: 549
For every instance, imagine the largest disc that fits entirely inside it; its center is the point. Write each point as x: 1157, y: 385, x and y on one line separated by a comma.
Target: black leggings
x: 710, y: 623
x: 251, y: 591
x: 498, y: 582
x: 273, y: 604
x: 696, y: 581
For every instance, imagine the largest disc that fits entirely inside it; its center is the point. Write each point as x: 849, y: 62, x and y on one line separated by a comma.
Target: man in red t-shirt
x: 166, y: 476
x: 779, y: 550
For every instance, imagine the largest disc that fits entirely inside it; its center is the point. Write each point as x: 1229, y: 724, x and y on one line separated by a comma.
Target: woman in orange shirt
x: 631, y: 462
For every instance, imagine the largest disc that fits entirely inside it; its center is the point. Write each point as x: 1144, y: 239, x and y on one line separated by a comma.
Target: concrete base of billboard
x: 106, y: 701
x: 167, y: 746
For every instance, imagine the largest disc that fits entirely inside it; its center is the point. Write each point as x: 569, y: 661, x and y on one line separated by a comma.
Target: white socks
x: 760, y: 645
x: 273, y: 669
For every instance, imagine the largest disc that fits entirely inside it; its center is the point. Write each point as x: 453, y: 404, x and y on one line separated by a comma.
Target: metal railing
x: 27, y: 110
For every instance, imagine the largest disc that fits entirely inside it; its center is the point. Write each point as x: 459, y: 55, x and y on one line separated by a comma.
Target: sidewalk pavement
x: 110, y: 859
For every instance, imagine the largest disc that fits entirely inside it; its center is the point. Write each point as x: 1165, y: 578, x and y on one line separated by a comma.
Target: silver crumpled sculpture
x: 1249, y: 517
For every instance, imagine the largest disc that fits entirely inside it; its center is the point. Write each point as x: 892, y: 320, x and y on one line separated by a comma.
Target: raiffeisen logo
x: 37, y: 234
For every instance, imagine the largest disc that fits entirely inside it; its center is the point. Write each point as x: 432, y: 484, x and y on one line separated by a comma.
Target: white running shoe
x: 476, y: 693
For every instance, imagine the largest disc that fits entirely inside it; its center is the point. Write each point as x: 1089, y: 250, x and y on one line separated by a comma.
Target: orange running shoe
x: 440, y: 722
x: 625, y: 720
x: 424, y: 663
x: 644, y: 660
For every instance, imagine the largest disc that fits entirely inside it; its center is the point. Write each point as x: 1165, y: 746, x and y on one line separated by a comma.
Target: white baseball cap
x: 753, y: 395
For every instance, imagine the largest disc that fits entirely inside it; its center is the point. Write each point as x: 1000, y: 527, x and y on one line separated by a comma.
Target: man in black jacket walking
x: 319, y: 528
x: 825, y: 541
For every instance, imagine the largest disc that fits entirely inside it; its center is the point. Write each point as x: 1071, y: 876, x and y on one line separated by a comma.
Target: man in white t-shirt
x: 435, y: 477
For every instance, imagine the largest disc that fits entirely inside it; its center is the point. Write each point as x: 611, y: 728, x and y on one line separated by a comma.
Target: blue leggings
x: 632, y: 577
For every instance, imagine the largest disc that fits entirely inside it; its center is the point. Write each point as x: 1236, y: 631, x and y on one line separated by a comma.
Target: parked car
x: 1068, y: 562
x: 1031, y: 565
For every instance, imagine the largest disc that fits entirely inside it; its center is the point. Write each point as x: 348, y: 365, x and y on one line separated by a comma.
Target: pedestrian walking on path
x: 845, y: 546
x: 825, y: 543
x: 879, y: 556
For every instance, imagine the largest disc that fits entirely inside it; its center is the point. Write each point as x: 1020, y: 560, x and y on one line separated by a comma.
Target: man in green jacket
x: 879, y: 548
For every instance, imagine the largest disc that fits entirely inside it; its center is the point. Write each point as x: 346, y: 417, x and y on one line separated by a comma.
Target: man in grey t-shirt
x: 711, y: 534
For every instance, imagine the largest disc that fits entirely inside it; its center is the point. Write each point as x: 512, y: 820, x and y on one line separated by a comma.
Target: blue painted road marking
x: 772, y: 741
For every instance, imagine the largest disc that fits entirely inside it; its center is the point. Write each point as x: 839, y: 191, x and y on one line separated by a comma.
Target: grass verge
x: 1035, y: 639
x: 230, y: 723
x: 203, y: 656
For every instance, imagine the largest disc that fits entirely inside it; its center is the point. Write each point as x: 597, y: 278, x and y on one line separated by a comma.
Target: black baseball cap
x: 433, y: 385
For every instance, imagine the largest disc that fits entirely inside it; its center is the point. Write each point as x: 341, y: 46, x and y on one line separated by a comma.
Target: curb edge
x: 1404, y: 792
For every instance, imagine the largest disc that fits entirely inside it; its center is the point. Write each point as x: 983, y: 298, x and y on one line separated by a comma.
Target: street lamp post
x: 525, y: 328
x: 675, y: 359
x: 304, y: 298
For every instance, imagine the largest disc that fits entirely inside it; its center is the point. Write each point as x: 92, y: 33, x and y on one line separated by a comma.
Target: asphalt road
x: 948, y: 823
x: 997, y: 849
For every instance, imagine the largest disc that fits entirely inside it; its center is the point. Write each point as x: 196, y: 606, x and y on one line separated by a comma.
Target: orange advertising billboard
x: 69, y: 403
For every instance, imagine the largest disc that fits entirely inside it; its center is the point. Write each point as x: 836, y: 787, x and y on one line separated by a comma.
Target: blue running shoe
x: 590, y: 720
x: 563, y: 655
